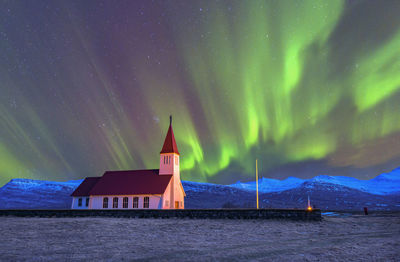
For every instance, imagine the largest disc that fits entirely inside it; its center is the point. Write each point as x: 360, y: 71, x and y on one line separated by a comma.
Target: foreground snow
x: 352, y: 238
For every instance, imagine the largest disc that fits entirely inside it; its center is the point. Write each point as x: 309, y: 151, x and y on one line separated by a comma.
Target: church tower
x: 169, y: 155
x: 169, y: 165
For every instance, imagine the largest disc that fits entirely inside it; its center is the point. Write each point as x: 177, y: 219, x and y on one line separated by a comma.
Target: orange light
x: 309, y: 208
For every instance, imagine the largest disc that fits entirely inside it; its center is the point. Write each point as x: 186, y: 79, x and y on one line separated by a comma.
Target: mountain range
x: 326, y: 192
x: 384, y: 184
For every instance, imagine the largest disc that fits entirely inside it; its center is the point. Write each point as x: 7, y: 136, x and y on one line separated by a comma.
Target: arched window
x: 135, y: 202
x: 80, y: 202
x: 115, y: 202
x: 164, y: 159
x: 169, y: 161
x: 87, y: 202
x: 125, y: 202
x: 146, y: 202
x: 105, y: 202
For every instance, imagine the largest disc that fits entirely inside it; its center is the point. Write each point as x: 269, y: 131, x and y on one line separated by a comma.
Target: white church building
x: 136, y: 189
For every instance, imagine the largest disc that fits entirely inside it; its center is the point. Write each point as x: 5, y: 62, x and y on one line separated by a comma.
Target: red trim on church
x: 131, y: 182
x: 169, y: 143
x: 85, y: 187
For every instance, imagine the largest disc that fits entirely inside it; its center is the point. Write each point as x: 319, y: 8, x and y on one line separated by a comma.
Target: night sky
x: 307, y: 87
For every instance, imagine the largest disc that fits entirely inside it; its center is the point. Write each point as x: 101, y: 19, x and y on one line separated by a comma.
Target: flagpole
x: 257, y: 182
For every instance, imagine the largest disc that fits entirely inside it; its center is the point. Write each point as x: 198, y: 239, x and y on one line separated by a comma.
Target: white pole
x: 257, y: 182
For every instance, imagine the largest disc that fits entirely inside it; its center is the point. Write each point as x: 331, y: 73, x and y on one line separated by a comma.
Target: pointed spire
x: 169, y: 142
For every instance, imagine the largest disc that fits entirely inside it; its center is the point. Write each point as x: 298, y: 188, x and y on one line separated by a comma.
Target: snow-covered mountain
x: 326, y: 192
x: 384, y: 184
x: 266, y: 185
x: 37, y: 194
x: 327, y: 196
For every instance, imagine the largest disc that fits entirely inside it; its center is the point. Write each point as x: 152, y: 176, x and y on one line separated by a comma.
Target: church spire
x: 169, y: 142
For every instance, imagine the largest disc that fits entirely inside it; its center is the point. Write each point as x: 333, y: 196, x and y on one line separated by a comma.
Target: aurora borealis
x: 307, y: 87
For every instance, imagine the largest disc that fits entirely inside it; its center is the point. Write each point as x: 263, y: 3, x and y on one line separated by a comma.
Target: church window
x: 169, y: 162
x: 87, y: 202
x: 105, y: 202
x: 146, y: 202
x: 79, y: 202
x: 115, y: 202
x: 125, y: 202
x: 135, y: 202
x: 164, y: 159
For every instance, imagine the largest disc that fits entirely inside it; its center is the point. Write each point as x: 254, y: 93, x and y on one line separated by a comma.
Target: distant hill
x: 326, y: 192
x: 37, y: 194
x: 384, y: 184
x: 328, y: 196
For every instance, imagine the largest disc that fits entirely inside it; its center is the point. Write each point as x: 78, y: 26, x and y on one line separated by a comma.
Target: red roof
x: 170, y: 143
x: 84, y: 188
x: 131, y: 182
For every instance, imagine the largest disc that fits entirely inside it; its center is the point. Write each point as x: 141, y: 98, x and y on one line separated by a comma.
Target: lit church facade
x: 136, y: 189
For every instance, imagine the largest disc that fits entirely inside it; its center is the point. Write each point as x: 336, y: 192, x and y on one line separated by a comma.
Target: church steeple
x: 169, y: 155
x: 169, y: 165
x: 169, y: 142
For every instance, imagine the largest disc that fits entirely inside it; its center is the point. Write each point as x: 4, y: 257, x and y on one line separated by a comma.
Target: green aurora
x: 307, y: 87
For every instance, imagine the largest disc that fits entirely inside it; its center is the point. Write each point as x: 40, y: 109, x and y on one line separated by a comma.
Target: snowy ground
x: 336, y: 238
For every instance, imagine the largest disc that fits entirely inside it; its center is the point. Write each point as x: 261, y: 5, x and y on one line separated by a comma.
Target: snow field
x: 353, y: 238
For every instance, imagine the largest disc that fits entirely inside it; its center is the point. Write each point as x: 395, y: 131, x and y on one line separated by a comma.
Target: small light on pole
x: 309, y: 208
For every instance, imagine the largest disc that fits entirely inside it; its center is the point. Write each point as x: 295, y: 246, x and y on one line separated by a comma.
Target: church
x: 136, y: 189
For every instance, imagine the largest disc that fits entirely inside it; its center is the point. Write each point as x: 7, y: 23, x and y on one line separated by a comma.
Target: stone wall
x: 292, y: 214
